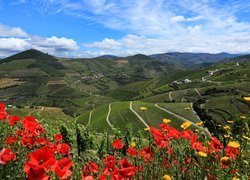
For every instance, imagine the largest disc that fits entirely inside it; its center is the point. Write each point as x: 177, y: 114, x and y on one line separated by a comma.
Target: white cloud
x: 158, y: 25
x: 14, y: 44
x: 105, y: 44
x: 57, y: 44
x: 6, y: 31
x: 177, y: 19
x: 132, y: 44
x: 53, y: 45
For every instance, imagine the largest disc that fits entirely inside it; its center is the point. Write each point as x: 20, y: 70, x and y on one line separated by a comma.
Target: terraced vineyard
x: 182, y: 109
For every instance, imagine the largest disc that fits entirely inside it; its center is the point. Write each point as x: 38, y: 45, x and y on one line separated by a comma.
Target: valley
x: 106, y: 93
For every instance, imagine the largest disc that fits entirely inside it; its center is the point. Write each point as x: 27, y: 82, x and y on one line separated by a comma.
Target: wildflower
x: 186, y: 124
x: 166, y: 121
x: 230, y: 122
x: 233, y: 144
x: 41, y: 158
x: 3, y: 115
x: 110, y: 161
x: 35, y: 172
x: 13, y: 120
x: 132, y: 144
x: 88, y: 178
x: 33, y: 127
x: 232, y: 152
x: 63, y: 148
x: 147, y: 154
x: 225, y: 162
x: 227, y: 128
x: 2, y: 107
x: 118, y: 144
x: 199, y: 123
x: 10, y: 140
x: 62, y: 168
x: 143, y: 108
x: 127, y: 170
x: 27, y: 141
x: 166, y: 177
x: 92, y: 167
x: 247, y: 138
x: 202, y: 154
x: 7, y: 155
x: 132, y: 151
x: 58, y: 137
x: 243, y: 117
x: 235, y: 178
x: 216, y: 145
x: 197, y: 145
x: 247, y: 99
x: 146, y: 129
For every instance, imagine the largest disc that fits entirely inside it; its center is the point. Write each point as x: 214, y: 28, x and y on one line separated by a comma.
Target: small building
x: 187, y: 81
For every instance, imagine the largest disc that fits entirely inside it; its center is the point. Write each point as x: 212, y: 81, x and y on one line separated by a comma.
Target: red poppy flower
x: 19, y: 132
x: 88, y: 178
x: 35, y: 173
x: 3, y: 115
x: 93, y: 167
x: 43, y: 158
x: 63, y: 148
x: 171, y: 131
x: 161, y: 143
x: 197, y: 145
x: 232, y: 152
x: 170, y: 151
x: 31, y: 126
x: 147, y: 154
x: 118, y: 144
x: 216, y: 145
x: 102, y: 177
x: 132, y: 152
x: 2, y: 107
x: 13, y: 120
x: 58, y: 137
x: 10, y: 140
x: 187, y: 134
x: 156, y: 133
x: 7, y: 155
x: 127, y: 170
x: 28, y: 141
x: 62, y: 168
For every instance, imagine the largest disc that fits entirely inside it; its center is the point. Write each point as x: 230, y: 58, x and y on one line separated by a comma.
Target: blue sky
x: 87, y: 28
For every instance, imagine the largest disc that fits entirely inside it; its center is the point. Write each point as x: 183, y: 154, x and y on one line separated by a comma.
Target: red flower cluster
x: 3, y: 113
x: 43, y: 160
x: 7, y: 155
x: 117, y: 170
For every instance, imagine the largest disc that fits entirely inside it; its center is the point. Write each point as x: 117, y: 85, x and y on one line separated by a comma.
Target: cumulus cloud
x: 14, y: 44
x: 6, y: 31
x: 54, y: 45
x: 105, y: 44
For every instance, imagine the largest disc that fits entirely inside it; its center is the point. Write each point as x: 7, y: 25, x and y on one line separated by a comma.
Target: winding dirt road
x: 139, y: 117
